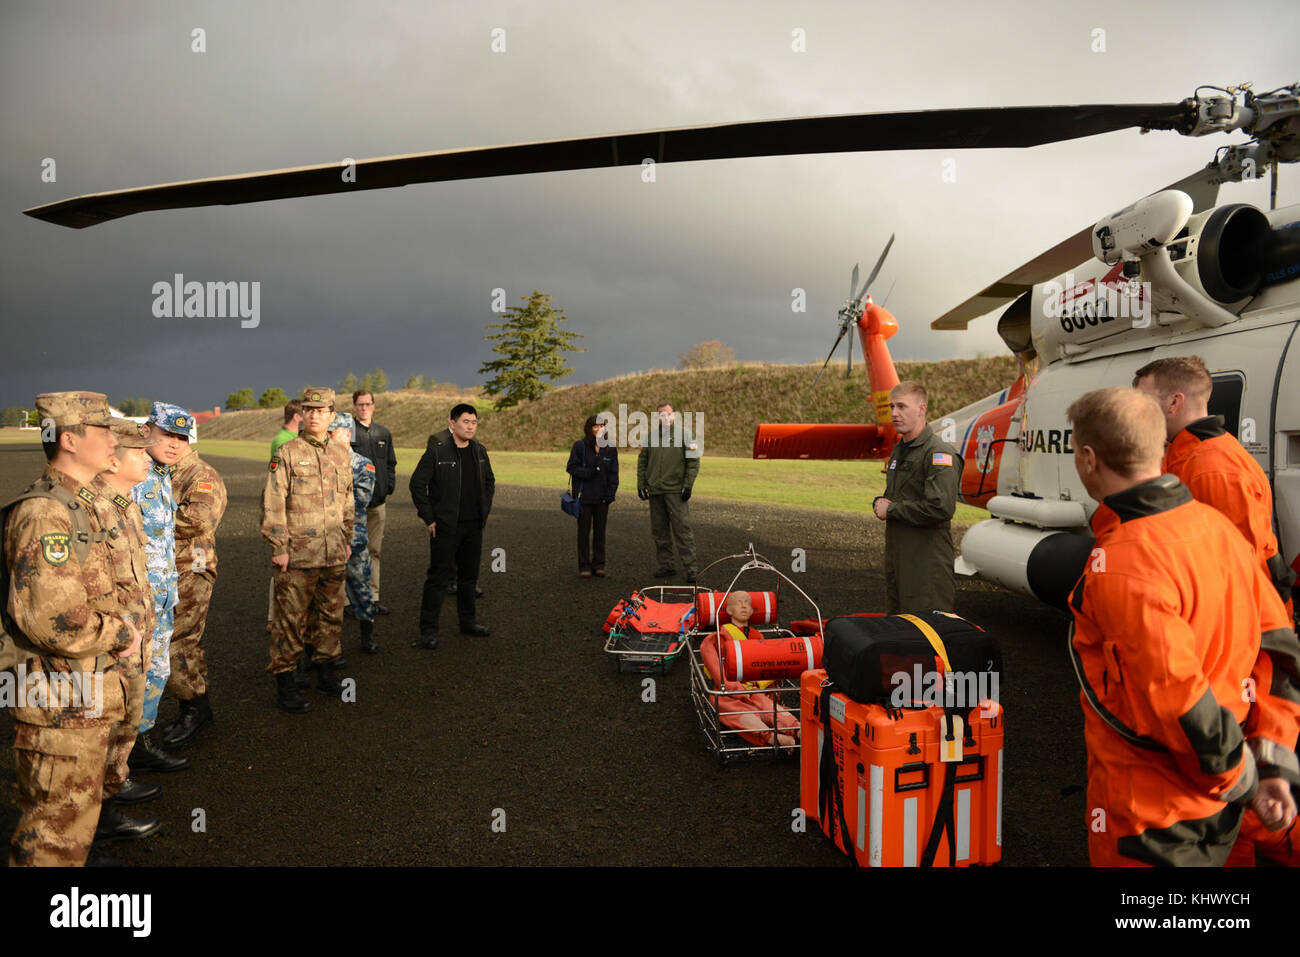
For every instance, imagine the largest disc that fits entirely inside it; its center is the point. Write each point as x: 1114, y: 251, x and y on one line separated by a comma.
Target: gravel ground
x: 534, y: 724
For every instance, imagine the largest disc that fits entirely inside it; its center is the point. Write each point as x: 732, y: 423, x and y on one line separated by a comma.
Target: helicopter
x: 1169, y: 274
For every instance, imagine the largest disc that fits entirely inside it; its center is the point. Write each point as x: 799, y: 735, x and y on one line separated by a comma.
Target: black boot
x: 196, y: 715
x: 133, y: 792
x: 368, y: 643
x: 327, y: 682
x: 287, y: 694
x: 302, y: 673
x: 116, y: 826
x: 147, y: 756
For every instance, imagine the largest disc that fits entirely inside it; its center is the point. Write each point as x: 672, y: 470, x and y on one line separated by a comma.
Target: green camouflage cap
x: 313, y: 398
x: 74, y: 408
x: 130, y: 435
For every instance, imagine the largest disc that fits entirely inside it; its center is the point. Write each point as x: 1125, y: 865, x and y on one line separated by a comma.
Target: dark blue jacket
x: 594, y: 471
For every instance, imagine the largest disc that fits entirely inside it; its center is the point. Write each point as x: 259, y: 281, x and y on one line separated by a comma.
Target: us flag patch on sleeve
x: 941, y: 458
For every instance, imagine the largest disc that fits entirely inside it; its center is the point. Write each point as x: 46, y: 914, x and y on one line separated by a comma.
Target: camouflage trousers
x: 189, y: 665
x: 60, y: 775
x: 160, y: 667
x: 121, y: 739
x: 361, y: 596
x: 308, y: 611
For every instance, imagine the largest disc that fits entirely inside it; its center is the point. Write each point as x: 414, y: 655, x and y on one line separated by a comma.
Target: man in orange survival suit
x: 1211, y: 462
x: 1166, y: 635
x: 1219, y: 472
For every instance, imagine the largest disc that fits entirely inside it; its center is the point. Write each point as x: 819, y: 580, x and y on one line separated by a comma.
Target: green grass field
x: 838, y: 486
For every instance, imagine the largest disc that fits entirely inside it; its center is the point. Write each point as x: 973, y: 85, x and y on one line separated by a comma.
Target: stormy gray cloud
x: 403, y: 279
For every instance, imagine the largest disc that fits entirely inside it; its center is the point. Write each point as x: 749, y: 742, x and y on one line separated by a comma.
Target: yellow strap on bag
x: 932, y: 637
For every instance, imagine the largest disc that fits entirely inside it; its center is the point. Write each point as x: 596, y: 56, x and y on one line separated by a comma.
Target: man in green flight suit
x: 920, y: 497
x: 665, y: 473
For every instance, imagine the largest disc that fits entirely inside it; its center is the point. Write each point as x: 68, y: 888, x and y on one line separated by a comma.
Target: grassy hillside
x: 733, y: 400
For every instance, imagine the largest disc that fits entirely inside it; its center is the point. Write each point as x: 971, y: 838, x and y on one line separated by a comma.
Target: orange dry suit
x: 1166, y: 642
x: 1219, y: 472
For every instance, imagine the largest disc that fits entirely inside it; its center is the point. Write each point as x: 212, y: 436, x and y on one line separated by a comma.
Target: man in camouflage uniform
x: 361, y: 596
x: 921, y: 483
x: 200, y: 503
x: 64, y: 614
x: 158, y: 510
x: 120, y: 516
x: 307, y: 515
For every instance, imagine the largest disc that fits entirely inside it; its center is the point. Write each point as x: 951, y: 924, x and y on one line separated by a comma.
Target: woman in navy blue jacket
x: 594, y: 471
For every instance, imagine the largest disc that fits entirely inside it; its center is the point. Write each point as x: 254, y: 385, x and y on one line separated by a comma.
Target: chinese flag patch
x: 203, y: 486
x: 370, y: 468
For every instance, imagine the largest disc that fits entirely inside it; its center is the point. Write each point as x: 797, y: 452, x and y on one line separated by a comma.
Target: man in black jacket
x: 376, y: 443
x: 452, y: 489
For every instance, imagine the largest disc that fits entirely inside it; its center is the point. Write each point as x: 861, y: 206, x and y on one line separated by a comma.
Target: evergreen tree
x: 532, y: 346
x: 272, y: 399
x: 243, y: 399
x: 349, y: 383
x: 378, y: 381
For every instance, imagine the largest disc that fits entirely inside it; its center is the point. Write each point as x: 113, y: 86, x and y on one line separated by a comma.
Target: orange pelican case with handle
x: 894, y: 802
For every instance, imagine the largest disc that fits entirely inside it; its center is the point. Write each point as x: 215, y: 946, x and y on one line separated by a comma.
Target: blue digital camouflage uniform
x: 361, y: 597
x: 158, y: 508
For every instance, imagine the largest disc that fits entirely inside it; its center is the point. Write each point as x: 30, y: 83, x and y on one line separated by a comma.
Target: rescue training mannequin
x: 751, y: 714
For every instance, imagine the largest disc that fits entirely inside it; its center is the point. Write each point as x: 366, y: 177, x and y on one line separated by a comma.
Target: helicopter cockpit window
x: 1225, y: 399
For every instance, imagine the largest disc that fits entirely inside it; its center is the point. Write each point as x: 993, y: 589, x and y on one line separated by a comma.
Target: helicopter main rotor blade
x: 853, y: 280
x: 982, y: 128
x: 875, y: 272
x: 1062, y: 257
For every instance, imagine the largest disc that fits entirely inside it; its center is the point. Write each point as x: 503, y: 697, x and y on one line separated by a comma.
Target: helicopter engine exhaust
x: 1225, y: 253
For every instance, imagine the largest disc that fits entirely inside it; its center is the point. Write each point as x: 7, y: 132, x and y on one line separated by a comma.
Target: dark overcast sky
x: 403, y: 279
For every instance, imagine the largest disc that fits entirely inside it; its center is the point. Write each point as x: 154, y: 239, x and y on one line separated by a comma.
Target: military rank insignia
x: 275, y: 463
x: 86, y: 495
x: 54, y: 547
x: 941, y: 458
x: 120, y: 501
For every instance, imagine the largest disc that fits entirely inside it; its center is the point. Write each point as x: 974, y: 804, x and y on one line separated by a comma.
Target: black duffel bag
x: 899, y: 660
